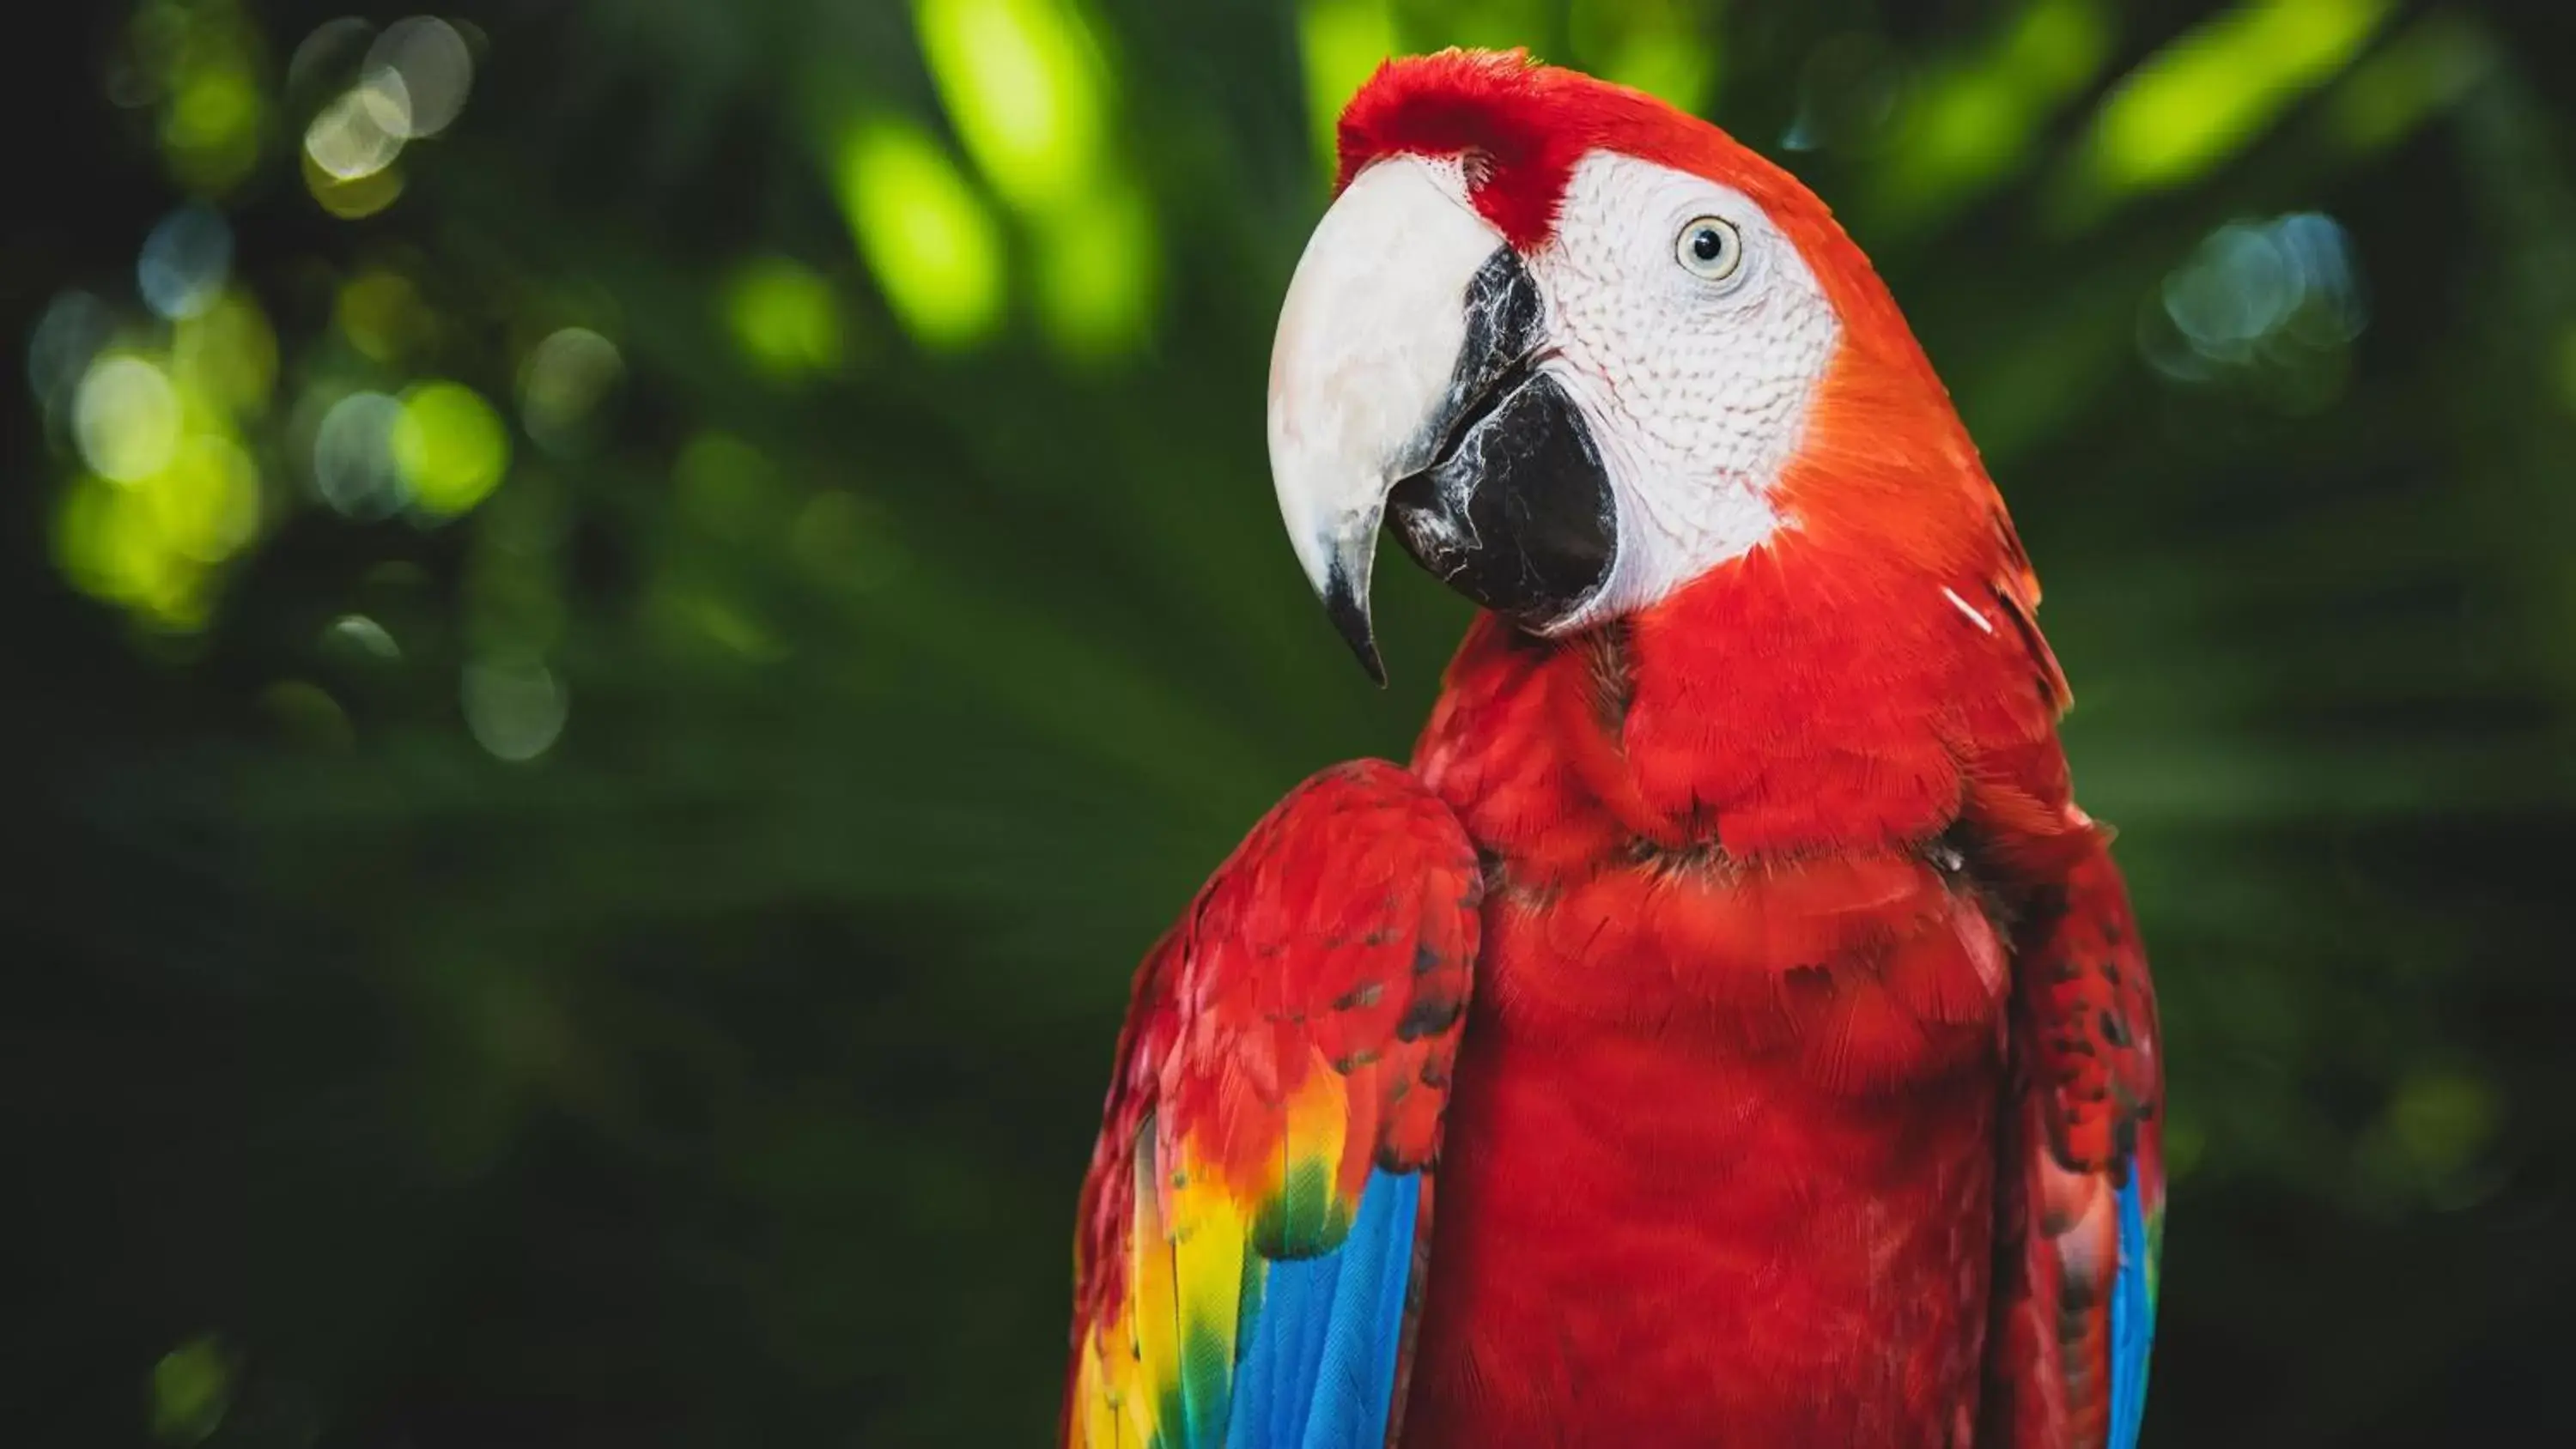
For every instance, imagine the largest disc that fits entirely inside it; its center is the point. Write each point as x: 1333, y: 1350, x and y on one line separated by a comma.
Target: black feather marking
x: 1431, y: 1013
x: 1360, y: 997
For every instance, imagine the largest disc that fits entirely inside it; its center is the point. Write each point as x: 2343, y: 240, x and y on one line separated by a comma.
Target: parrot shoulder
x: 1249, y: 1231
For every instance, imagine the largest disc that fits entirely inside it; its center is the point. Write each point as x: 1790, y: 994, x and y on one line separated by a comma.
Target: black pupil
x: 1706, y: 244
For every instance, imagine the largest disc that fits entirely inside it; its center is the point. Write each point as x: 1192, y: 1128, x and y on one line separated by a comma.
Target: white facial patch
x: 1696, y: 390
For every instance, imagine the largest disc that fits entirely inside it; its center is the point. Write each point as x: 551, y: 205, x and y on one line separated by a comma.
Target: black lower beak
x: 1511, y: 505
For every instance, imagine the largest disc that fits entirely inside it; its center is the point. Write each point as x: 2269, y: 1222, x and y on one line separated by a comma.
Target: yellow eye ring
x: 1710, y: 248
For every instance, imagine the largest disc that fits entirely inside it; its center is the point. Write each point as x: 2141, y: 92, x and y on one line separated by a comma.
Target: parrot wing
x: 1247, y: 1263
x: 2083, y: 1187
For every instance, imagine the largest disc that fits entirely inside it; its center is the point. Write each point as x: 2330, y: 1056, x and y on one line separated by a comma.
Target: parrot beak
x: 1404, y: 378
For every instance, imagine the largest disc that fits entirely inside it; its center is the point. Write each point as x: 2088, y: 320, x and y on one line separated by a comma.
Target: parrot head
x: 1579, y: 349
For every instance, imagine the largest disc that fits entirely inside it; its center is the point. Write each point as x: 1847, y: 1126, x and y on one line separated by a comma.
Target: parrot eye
x: 1711, y: 248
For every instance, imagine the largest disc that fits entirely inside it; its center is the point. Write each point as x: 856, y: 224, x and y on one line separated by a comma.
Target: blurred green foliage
x: 626, y: 617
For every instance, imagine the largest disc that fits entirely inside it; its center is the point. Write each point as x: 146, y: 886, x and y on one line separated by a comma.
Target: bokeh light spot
x: 515, y: 709
x: 1341, y: 41
x: 210, y: 127
x: 191, y: 1389
x: 357, y: 637
x: 352, y: 200
x: 2207, y: 94
x: 2240, y: 288
x: 1096, y: 273
x: 2249, y: 280
x: 1653, y: 45
x: 2056, y: 45
x: 66, y: 339
x: 361, y: 131
x: 1023, y: 84
x: 88, y: 536
x: 2270, y: 306
x: 109, y: 543
x: 928, y: 238
x: 2330, y: 309
x: 126, y: 419
x: 185, y: 262
x: 784, y: 317
x: 353, y: 457
x: 226, y: 355
x: 435, y: 68
x: 205, y: 505
x: 381, y: 314
x: 565, y: 379
x: 1847, y: 89
x: 1966, y: 125
x: 450, y: 445
x: 2443, y: 1119
x: 1967, y: 130
x: 2422, y: 72
x: 330, y: 49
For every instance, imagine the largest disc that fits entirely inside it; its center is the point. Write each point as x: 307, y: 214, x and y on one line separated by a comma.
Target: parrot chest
x: 1719, y: 1168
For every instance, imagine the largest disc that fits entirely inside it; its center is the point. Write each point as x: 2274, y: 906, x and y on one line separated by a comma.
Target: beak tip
x: 1350, y: 612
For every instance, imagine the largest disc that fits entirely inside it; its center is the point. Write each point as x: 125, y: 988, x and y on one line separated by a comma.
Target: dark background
x: 620, y: 943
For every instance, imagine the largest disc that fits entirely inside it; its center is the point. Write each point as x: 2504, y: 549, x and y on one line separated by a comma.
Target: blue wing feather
x: 2133, y: 1318
x: 1317, y: 1370
x: 1357, y: 1375
x: 1395, y: 1275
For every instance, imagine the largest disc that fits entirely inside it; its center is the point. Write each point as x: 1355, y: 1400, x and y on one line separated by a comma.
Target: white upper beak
x: 1369, y: 338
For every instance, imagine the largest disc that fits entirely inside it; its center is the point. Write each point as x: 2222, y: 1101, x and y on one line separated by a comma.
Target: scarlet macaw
x: 1732, y: 958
